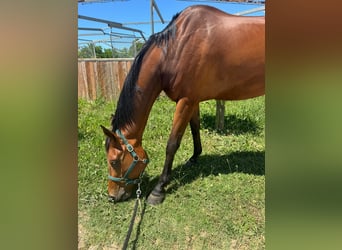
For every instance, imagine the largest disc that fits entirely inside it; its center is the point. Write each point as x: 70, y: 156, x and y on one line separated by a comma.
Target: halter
x: 136, y: 159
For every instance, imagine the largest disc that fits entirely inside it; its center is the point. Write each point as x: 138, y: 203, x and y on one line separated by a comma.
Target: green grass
x: 217, y: 204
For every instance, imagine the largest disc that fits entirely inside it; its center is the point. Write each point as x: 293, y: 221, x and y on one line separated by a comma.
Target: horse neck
x: 148, y: 89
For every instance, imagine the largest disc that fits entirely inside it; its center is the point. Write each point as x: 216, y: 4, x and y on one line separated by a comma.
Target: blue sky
x: 139, y: 11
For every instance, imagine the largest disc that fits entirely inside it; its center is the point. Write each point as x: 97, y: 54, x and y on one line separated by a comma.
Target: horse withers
x: 202, y: 54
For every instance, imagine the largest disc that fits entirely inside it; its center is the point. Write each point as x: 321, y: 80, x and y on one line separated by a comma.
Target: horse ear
x: 113, y: 139
x: 108, y: 133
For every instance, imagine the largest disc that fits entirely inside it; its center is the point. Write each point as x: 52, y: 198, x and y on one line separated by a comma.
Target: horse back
x: 215, y: 55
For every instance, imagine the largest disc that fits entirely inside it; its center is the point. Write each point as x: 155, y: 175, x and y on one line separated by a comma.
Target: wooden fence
x: 102, y: 77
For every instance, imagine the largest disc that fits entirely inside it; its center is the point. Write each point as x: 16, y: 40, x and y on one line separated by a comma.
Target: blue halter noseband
x: 136, y: 159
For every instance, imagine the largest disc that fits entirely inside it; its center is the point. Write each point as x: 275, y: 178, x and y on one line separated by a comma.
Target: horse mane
x: 125, y: 109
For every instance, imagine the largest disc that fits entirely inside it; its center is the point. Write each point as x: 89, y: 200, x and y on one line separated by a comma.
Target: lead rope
x: 137, y: 202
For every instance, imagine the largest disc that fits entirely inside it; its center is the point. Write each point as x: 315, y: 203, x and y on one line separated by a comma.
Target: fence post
x: 220, y: 109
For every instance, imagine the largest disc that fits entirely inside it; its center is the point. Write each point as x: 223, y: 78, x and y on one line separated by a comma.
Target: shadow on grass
x: 232, y: 125
x: 237, y: 162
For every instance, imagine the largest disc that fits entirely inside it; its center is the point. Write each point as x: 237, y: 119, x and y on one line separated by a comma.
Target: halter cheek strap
x: 136, y: 159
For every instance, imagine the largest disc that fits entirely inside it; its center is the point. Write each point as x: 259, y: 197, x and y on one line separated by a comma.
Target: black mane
x: 125, y: 109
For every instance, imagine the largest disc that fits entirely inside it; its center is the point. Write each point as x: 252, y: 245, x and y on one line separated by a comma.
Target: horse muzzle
x: 122, y: 195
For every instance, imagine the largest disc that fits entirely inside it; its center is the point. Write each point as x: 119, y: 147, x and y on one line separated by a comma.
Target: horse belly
x: 236, y: 84
x: 236, y: 76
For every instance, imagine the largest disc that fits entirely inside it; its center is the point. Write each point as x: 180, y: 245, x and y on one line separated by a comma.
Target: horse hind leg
x: 195, y: 131
x: 183, y: 114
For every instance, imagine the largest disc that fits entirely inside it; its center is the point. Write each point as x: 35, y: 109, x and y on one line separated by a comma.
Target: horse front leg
x: 183, y: 114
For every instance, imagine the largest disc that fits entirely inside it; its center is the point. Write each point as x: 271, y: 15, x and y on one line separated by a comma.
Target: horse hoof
x: 154, y: 199
x: 191, y: 162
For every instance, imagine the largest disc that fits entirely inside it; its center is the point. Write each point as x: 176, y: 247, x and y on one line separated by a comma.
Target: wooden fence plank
x: 102, y: 77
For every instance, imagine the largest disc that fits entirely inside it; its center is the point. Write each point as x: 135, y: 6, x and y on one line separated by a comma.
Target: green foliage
x: 88, y: 51
x: 219, y: 203
x: 134, y: 50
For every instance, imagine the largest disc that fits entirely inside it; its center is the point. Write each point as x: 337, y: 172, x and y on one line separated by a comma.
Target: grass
x: 217, y: 204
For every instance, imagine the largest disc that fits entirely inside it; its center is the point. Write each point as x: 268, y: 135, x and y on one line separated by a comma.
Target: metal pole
x: 111, y: 42
x: 94, y: 53
x: 250, y: 11
x: 135, y: 47
x: 158, y: 12
x: 152, y: 24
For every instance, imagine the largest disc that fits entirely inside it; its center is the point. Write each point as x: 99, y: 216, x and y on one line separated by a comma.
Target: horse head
x: 126, y: 163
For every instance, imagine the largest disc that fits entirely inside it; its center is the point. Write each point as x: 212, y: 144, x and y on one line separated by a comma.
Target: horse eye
x: 115, y: 163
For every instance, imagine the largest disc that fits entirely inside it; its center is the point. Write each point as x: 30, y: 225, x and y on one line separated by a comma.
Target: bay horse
x: 202, y: 54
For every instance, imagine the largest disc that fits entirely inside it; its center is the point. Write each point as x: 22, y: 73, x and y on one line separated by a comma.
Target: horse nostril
x: 111, y: 199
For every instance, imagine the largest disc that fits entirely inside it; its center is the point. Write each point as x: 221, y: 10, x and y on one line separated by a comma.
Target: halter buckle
x: 129, y: 148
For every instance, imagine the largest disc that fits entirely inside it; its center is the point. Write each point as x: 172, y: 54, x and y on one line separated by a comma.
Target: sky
x: 139, y: 11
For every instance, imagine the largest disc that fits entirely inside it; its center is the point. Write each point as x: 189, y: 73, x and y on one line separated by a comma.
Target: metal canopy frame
x: 111, y: 34
x: 112, y: 24
x: 258, y: 9
x: 153, y: 6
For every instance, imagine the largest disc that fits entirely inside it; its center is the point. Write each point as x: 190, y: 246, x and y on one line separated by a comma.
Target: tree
x: 99, y: 52
x: 134, y: 51
x: 86, y: 52
x: 108, y: 53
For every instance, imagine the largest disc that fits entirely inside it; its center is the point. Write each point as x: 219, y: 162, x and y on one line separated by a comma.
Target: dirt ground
x: 83, y: 234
